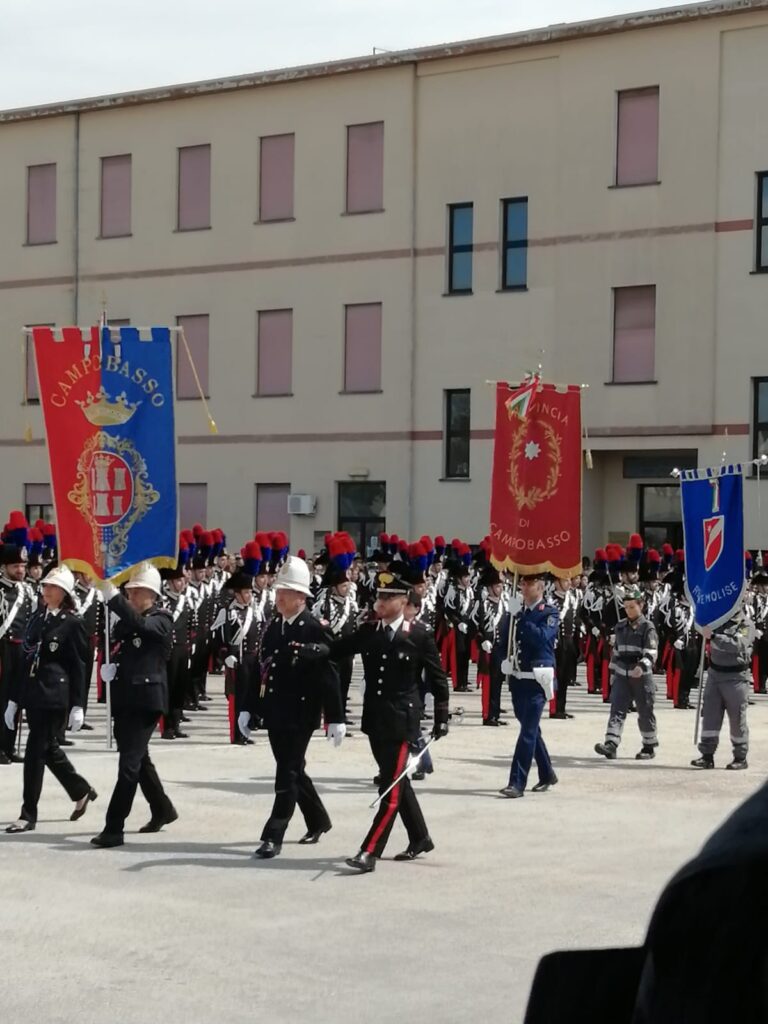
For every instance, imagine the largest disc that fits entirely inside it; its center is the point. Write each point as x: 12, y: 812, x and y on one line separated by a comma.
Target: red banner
x: 536, y: 487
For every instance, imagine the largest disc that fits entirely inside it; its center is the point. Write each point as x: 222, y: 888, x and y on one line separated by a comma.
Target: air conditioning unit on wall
x: 302, y: 504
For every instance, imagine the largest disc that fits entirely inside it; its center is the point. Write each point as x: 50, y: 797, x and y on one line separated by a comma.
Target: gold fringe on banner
x: 213, y: 429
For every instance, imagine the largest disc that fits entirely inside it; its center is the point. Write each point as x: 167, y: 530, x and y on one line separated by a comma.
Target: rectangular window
x: 365, y: 167
x: 274, y: 355
x: 31, y: 387
x: 276, y: 177
x: 634, y: 334
x: 456, y: 434
x: 760, y: 417
x: 115, y: 196
x: 38, y: 503
x: 363, y: 512
x: 658, y: 465
x: 362, y: 347
x: 660, y: 515
x: 460, y: 228
x: 637, y: 137
x: 194, y: 210
x: 272, y: 507
x: 761, y: 222
x: 514, y: 250
x: 193, y: 504
x: 41, y: 204
x: 196, y: 332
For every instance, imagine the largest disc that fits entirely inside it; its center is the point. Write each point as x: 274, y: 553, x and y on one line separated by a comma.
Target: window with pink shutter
x: 194, y: 188
x: 196, y: 332
x: 637, y: 148
x: 115, y: 196
x: 276, y: 177
x: 362, y: 348
x: 634, y: 334
x: 41, y: 204
x: 274, y: 357
x: 31, y: 388
x: 272, y: 508
x: 193, y: 504
x: 365, y: 167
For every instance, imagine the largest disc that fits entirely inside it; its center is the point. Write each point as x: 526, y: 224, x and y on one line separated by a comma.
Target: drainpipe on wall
x: 76, y: 228
x: 414, y: 316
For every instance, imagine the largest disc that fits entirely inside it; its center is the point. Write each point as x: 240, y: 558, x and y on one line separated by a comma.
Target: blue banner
x: 713, y: 527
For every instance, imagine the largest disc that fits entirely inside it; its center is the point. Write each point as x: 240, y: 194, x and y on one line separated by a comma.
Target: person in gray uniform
x: 634, y: 654
x: 727, y: 692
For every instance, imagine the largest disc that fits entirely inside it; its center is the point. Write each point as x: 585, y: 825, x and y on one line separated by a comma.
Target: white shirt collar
x: 394, y: 626
x: 293, y: 618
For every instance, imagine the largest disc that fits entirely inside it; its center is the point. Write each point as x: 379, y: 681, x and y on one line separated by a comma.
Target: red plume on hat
x: 251, y: 558
x: 680, y: 556
x: 440, y: 545
x: 654, y: 556
x: 635, y: 548
x: 197, y: 530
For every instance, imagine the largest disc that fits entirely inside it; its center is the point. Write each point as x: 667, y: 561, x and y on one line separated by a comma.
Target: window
x: 115, y: 196
x: 196, y: 332
x: 193, y: 504
x: 660, y: 515
x: 658, y: 464
x: 41, y: 204
x: 460, y: 218
x: 194, y: 210
x: 514, y: 250
x: 760, y: 417
x: 31, y: 387
x: 276, y: 177
x: 634, y: 334
x: 38, y: 503
x: 274, y: 356
x: 456, y: 434
x: 363, y: 512
x: 362, y: 347
x: 637, y: 137
x: 365, y: 167
x: 761, y: 222
x: 272, y: 508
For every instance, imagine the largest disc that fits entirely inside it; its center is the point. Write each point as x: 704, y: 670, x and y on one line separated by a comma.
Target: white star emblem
x: 532, y: 451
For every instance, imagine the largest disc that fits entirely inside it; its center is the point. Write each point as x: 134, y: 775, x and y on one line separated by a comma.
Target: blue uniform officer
x: 529, y: 662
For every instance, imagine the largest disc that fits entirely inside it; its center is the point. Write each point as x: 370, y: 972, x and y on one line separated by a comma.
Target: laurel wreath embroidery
x: 533, y: 496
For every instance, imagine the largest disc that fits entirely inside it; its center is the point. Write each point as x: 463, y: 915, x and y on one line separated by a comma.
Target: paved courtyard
x: 186, y: 926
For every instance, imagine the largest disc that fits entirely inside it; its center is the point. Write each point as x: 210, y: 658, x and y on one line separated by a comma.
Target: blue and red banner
x: 713, y: 530
x: 107, y: 398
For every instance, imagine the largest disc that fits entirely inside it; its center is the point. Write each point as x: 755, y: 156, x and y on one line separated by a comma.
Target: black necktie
x: 390, y: 633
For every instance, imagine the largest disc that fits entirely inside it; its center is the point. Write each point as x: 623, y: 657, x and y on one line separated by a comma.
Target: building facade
x: 355, y: 249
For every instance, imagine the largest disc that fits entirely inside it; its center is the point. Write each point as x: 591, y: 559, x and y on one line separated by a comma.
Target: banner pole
x: 512, y: 647
x: 701, y: 689
x: 108, y: 681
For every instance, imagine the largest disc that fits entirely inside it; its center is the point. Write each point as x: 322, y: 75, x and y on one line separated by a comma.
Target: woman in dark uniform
x: 55, y: 650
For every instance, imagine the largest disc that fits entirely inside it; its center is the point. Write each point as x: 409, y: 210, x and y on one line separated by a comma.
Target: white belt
x: 523, y: 675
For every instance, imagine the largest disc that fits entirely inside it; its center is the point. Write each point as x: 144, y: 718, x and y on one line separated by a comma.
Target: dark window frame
x: 674, y: 527
x: 761, y: 224
x: 506, y: 244
x: 757, y: 423
x: 369, y: 526
x: 455, y: 248
x: 449, y: 435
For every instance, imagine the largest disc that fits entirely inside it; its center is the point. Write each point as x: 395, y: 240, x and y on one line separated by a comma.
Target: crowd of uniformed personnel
x: 626, y: 616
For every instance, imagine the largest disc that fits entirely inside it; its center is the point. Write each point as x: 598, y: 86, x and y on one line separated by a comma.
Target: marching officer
x: 726, y: 692
x: 526, y: 653
x: 337, y: 612
x: 17, y: 603
x: 290, y: 699
x: 175, y: 601
x: 566, y: 600
x: 488, y: 614
x: 55, y: 651
x: 139, y: 698
x: 634, y: 654
x: 89, y: 607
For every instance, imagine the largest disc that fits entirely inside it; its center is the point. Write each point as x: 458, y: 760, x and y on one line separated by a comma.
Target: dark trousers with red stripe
x: 392, y: 757
x: 293, y: 786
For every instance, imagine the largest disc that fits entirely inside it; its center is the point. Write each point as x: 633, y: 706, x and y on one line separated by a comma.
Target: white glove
x: 76, y: 719
x: 10, y: 714
x: 244, y: 723
x: 108, y: 672
x: 487, y: 646
x: 636, y: 672
x: 758, y: 634
x: 507, y: 667
x: 336, y: 732
x: 595, y: 631
x: 362, y: 688
x: 515, y: 605
x: 108, y: 589
x: 462, y: 627
x: 230, y: 661
x: 679, y: 645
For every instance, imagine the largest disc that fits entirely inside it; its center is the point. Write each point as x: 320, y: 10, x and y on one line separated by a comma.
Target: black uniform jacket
x: 55, y: 649
x: 292, y: 692
x: 393, y: 668
x: 145, y: 645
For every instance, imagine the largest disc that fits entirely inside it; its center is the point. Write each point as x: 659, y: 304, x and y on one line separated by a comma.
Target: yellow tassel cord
x: 213, y: 429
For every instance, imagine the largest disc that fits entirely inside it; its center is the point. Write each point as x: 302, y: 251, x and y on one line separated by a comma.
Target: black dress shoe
x: 205, y: 697
x: 65, y: 743
x: 414, y: 849
x: 377, y: 780
x: 184, y: 718
x: 20, y: 826
x: 512, y: 792
x: 77, y: 814
x: 169, y: 734
x: 86, y: 727
x: 542, y: 787
x: 107, y: 840
x: 492, y: 722
x: 179, y: 735
x: 4, y: 759
x: 738, y: 764
x: 314, y: 837
x: 268, y: 850
x: 155, y: 823
x: 362, y: 862
x: 18, y: 759
x: 418, y: 775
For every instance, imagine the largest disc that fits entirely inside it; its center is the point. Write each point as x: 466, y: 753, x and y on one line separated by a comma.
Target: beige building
x: 355, y: 248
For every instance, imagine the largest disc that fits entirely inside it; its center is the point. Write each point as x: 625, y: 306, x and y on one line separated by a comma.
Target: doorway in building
x: 363, y: 512
x: 661, y: 519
